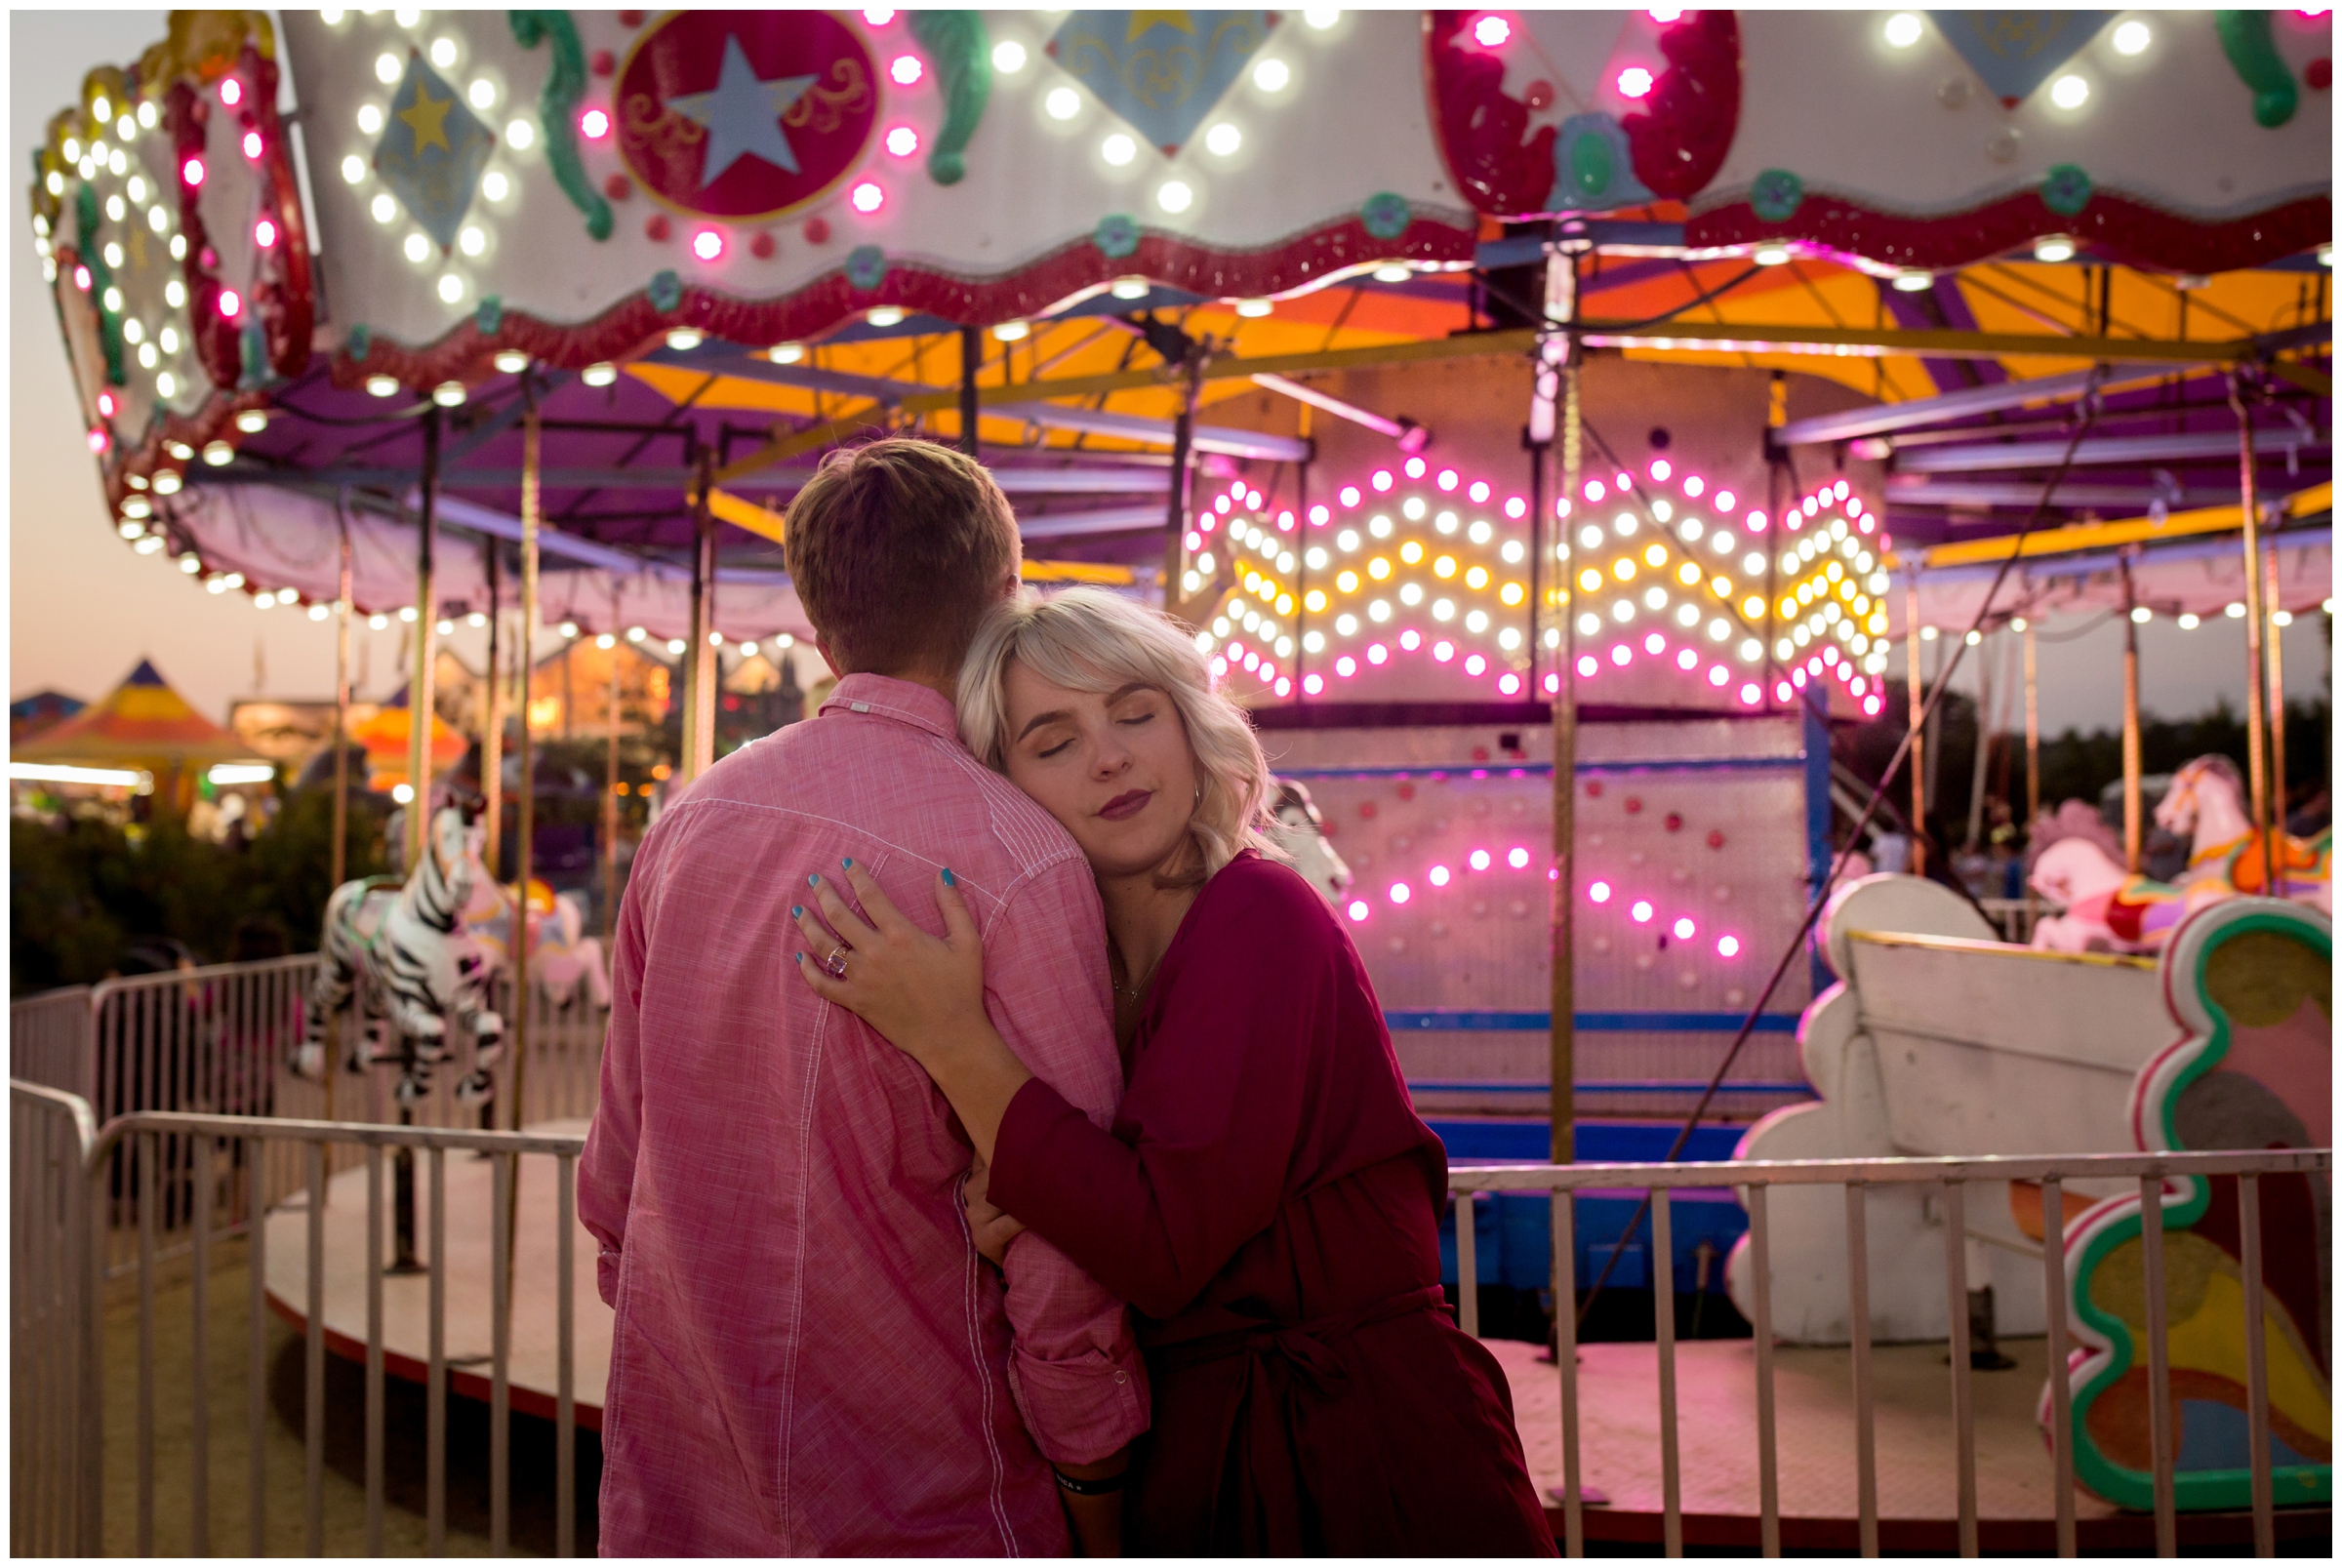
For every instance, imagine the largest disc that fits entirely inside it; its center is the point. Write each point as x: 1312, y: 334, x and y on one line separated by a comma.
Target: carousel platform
x: 534, y: 1367
x: 1618, y: 1386
x: 1715, y: 1383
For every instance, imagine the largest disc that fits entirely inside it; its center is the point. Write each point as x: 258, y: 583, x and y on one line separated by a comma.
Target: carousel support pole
x: 2277, y: 727
x: 337, y: 853
x: 610, y: 795
x: 2032, y: 733
x: 2256, y: 627
x: 532, y: 433
x: 492, y: 727
x: 1561, y: 305
x: 1183, y: 455
x: 1979, y: 772
x: 1300, y: 560
x: 2133, y: 802
x: 971, y: 360
x: 1563, y: 1060
x: 1916, y: 683
x: 700, y: 683
x: 426, y: 648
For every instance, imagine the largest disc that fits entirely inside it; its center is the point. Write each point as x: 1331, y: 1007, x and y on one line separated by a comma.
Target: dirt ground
x: 283, y: 1451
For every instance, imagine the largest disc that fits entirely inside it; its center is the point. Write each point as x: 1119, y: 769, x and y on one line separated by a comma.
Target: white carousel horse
x: 2206, y: 803
x: 2106, y: 910
x: 1300, y: 831
x: 403, y: 947
x: 561, y: 956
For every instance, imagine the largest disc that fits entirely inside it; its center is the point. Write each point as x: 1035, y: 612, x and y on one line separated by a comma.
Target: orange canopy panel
x: 388, y: 735
x: 143, y: 723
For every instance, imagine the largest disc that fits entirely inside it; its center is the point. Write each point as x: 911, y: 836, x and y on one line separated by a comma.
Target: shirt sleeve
x: 1075, y: 1365
x: 606, y: 1170
x: 1198, y: 1162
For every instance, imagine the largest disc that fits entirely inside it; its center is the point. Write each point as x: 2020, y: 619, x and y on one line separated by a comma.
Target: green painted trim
x: 102, y: 278
x: 2192, y: 1489
x: 959, y: 48
x: 2246, y: 40
x: 557, y: 111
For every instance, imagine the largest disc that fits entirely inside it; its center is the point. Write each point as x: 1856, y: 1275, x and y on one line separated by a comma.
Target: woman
x: 1266, y: 1200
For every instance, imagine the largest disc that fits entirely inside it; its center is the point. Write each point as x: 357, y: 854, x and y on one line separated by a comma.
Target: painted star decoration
x: 743, y: 115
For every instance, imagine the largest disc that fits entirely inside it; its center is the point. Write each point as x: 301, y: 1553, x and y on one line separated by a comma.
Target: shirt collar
x: 921, y: 706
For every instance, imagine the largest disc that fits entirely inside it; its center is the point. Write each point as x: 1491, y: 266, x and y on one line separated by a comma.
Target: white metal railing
x: 50, y: 1042
x: 1755, y: 1179
x: 215, y: 1040
x: 53, y: 1327
x: 57, y: 1477
x: 2015, y: 917
x: 61, y: 1163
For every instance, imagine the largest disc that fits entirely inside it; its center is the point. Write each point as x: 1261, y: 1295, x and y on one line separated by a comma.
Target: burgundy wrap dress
x: 1269, y: 1203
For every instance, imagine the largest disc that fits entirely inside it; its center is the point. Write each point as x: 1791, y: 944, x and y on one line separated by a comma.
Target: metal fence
x: 61, y: 1163
x: 1951, y: 1178
x: 52, y: 1311
x: 50, y: 1042
x: 2015, y: 919
x: 58, y: 1474
x: 217, y: 1040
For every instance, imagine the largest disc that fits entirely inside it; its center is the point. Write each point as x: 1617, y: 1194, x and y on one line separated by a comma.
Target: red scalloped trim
x: 280, y: 290
x: 1479, y: 129
x: 1693, y: 110
x: 627, y: 327
x: 2119, y: 226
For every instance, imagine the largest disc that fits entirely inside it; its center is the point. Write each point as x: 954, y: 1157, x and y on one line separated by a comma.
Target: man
x: 810, y: 1356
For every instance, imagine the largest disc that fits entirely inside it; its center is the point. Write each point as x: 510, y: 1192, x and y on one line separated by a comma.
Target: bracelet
x: 1103, y: 1486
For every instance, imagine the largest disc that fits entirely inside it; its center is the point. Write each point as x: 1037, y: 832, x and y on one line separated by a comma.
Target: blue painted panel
x: 1466, y: 1021
x: 1514, y: 1232
x: 1486, y: 1235
x: 1478, y: 1140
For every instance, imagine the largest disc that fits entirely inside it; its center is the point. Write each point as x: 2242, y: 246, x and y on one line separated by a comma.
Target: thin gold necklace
x: 1138, y: 992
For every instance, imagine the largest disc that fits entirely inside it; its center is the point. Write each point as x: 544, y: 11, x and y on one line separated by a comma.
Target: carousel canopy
x: 299, y: 273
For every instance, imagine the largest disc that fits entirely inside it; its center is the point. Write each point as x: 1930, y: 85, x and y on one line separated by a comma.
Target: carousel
x: 1553, y: 425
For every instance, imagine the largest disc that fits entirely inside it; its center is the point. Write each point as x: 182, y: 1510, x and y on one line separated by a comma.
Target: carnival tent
x: 142, y: 723
x: 388, y: 737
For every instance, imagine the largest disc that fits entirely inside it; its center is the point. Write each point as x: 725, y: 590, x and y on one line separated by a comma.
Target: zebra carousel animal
x: 402, y: 948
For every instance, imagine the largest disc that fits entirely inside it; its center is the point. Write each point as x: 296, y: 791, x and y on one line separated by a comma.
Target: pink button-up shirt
x: 810, y: 1356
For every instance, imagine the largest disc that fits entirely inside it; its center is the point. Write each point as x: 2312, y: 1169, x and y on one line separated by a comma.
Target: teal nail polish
x: 950, y: 880
x: 849, y: 863
x: 800, y: 958
x: 814, y: 881
x: 797, y: 911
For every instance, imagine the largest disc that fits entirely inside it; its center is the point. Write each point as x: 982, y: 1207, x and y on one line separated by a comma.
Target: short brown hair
x: 898, y: 548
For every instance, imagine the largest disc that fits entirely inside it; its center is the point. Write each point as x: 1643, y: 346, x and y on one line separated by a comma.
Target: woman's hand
x: 911, y: 988
x: 993, y: 1227
x: 923, y: 994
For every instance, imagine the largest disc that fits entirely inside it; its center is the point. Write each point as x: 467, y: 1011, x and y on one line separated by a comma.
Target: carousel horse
x: 561, y: 956
x: 2106, y: 910
x: 2205, y: 804
x: 403, y: 947
x: 1300, y: 831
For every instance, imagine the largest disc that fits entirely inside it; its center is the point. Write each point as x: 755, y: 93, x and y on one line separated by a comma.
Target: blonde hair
x: 1089, y: 640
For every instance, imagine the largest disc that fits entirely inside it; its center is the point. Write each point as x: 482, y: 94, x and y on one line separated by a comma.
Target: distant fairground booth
x: 1581, y: 439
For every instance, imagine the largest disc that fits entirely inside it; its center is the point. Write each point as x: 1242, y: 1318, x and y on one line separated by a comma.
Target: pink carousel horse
x: 2206, y: 804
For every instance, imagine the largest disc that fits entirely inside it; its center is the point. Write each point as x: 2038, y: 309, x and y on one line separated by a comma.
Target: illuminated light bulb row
x: 1864, y: 688
x: 1644, y: 912
x: 1441, y: 876
x: 155, y: 348
x: 1840, y: 592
